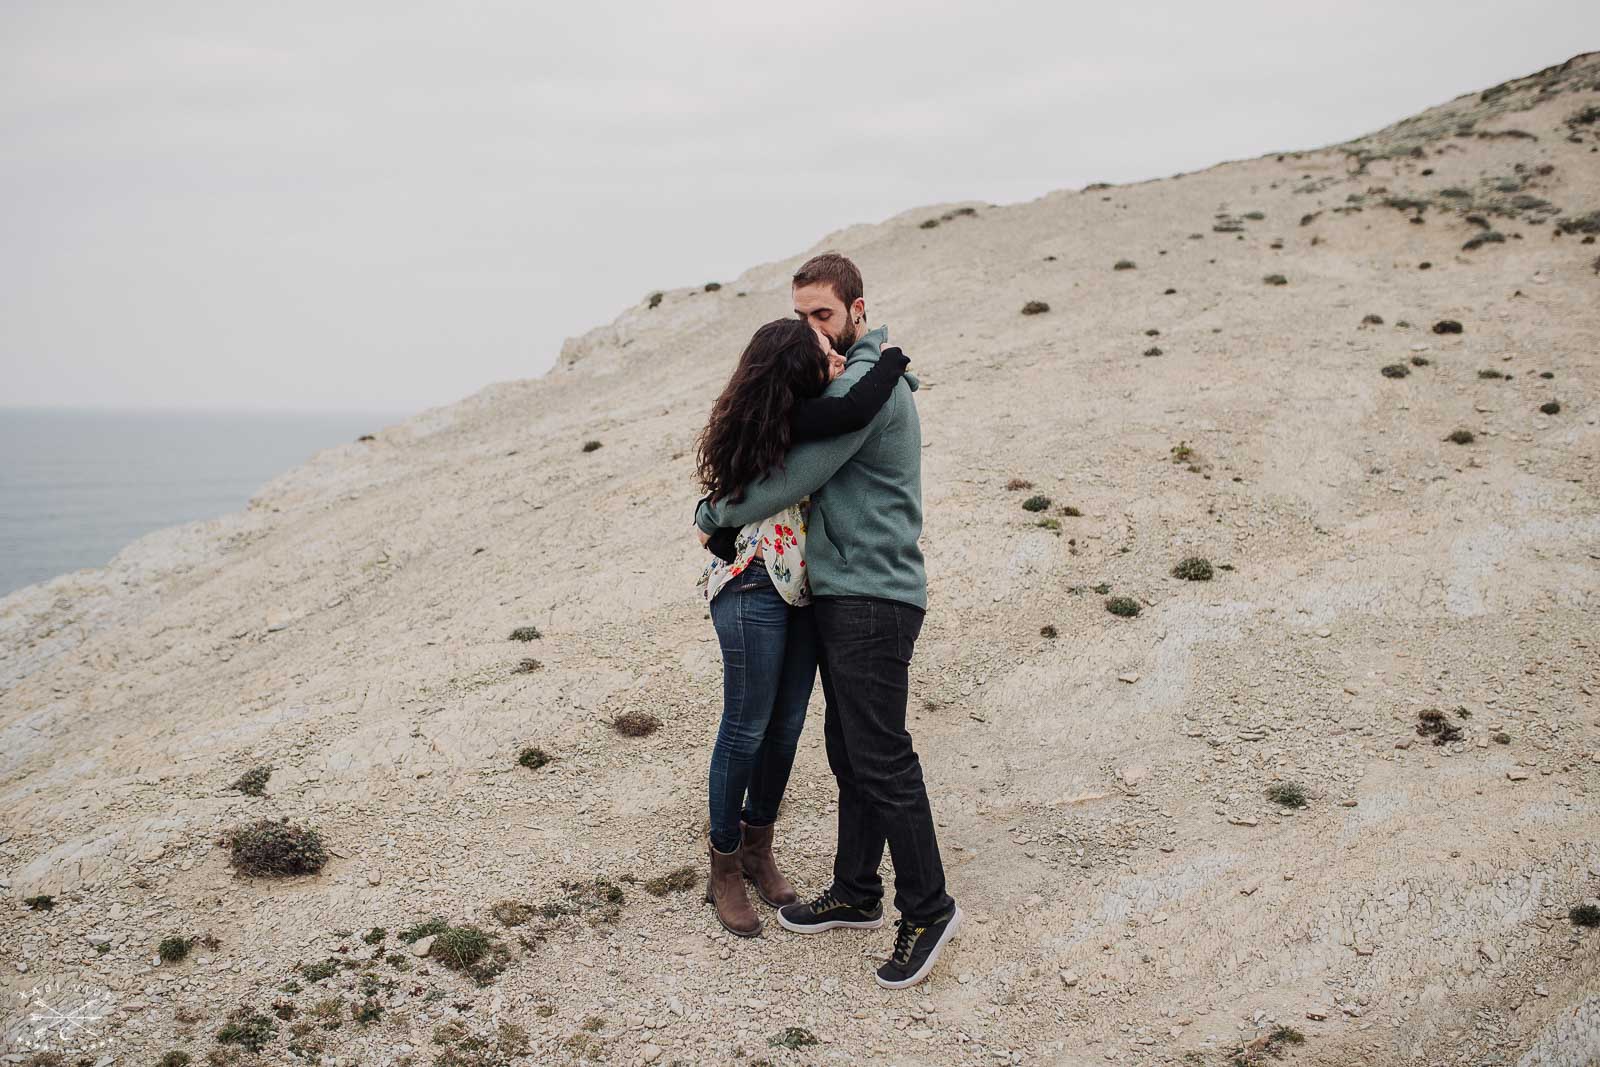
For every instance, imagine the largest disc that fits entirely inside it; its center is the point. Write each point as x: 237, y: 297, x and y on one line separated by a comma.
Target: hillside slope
x: 1101, y: 794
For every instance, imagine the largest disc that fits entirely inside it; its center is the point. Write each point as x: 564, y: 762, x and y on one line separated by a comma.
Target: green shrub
x: 277, y: 849
x: 1035, y: 307
x: 1288, y: 794
x: 1036, y: 503
x: 1124, y: 606
x: 1193, y: 569
x: 174, y: 949
x: 1123, y: 264
x: 526, y: 633
x: 655, y: 300
x: 1550, y: 407
x: 591, y: 446
x: 1395, y: 370
x: 1275, y: 279
x: 1461, y: 437
x: 533, y: 757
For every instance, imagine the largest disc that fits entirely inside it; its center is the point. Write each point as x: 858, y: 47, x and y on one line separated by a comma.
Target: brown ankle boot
x: 756, y: 848
x: 725, y: 889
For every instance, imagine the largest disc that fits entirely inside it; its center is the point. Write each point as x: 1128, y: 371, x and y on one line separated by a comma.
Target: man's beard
x: 847, y: 337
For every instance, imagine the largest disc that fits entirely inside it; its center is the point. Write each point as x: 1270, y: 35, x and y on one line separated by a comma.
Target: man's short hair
x: 837, y: 271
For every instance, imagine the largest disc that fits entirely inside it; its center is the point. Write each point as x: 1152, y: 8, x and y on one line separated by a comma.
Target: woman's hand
x: 702, y: 536
x: 835, y: 365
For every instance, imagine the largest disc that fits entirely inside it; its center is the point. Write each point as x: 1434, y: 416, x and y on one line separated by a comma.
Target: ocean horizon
x: 77, y: 485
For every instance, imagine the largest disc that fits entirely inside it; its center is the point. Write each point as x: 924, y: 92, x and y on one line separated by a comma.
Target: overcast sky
x: 388, y: 206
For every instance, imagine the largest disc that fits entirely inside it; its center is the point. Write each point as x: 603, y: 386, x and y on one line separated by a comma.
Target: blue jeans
x: 769, y: 664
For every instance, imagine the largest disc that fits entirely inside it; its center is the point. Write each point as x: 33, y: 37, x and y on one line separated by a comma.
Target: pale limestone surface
x: 1133, y: 895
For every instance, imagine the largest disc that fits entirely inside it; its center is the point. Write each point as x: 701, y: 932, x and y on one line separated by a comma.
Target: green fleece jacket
x: 866, y: 495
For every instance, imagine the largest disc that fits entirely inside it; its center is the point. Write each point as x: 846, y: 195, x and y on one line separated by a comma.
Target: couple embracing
x: 812, y: 465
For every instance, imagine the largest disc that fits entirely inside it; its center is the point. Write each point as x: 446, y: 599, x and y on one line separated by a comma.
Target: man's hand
x: 701, y: 536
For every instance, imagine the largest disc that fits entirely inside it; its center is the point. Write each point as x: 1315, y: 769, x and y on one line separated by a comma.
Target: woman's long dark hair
x: 748, y: 431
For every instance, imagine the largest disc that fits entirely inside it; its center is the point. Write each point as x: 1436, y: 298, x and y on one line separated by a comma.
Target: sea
x: 77, y: 485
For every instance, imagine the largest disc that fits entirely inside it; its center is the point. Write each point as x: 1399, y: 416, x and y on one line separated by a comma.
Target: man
x: 869, y: 593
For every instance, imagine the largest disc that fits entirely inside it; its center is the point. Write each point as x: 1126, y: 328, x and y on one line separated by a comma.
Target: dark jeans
x: 865, y: 646
x: 769, y: 664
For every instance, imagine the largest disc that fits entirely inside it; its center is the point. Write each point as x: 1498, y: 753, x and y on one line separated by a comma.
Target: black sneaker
x: 828, y: 912
x: 916, y: 950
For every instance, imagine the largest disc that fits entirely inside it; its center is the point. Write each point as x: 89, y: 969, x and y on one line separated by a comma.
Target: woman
x: 760, y: 599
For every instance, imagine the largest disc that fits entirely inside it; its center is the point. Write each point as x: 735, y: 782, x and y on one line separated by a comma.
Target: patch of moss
x: 636, y: 724
x: 511, y: 912
x: 1461, y: 437
x: 420, y: 930
x: 1288, y: 794
x: 1035, y: 307
x: 1550, y: 407
x: 533, y: 757
x: 1047, y: 523
x: 247, y: 1028
x: 1395, y: 370
x: 1036, y: 503
x: 316, y: 972
x: 1431, y: 722
x: 254, y: 781
x: 1589, y: 223
x: 598, y: 900
x: 792, y: 1037
x: 1123, y: 606
x: 526, y: 633
x: 1193, y: 569
x: 42, y: 902
x: 674, y: 881
x: 1490, y: 374
x: 591, y: 446
x: 1124, y: 264
x: 1275, y: 279
x: 277, y: 849
x: 1419, y: 361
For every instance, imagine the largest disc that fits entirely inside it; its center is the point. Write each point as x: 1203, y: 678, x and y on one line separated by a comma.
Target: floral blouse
x: 782, y: 541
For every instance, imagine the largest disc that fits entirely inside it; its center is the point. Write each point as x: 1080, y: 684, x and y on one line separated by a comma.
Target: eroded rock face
x: 1102, y: 793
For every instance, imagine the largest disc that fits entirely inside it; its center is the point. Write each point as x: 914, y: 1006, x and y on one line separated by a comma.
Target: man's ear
x: 858, y: 310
